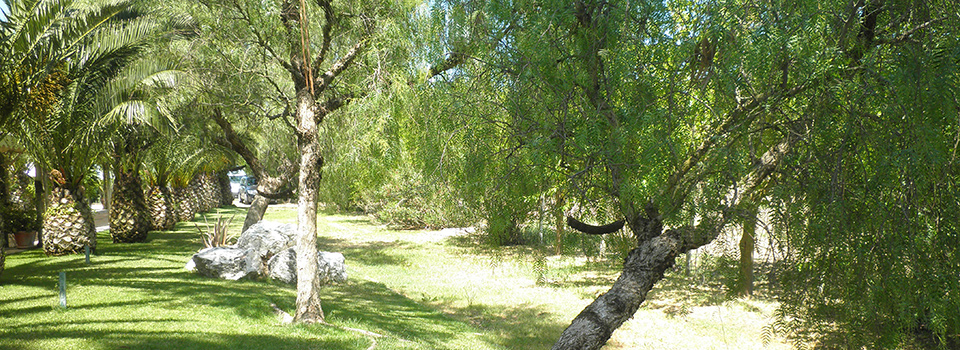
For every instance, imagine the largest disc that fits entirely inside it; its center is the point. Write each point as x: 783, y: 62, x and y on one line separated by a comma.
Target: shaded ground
x: 422, y: 289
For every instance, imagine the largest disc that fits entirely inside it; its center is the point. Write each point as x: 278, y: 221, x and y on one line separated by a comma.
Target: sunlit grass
x: 421, y: 289
x: 138, y: 296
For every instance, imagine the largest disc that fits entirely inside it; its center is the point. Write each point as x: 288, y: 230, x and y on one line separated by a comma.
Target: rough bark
x: 68, y: 223
x: 255, y: 212
x: 747, y: 245
x: 642, y: 268
x: 656, y: 252
x: 308, y: 285
x: 226, y: 197
x: 129, y: 221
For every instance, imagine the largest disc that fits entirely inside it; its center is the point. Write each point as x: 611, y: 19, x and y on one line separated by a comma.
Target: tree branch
x: 260, y: 40
x: 646, y: 264
x: 906, y: 35
x: 594, y: 230
x: 324, y: 80
x: 237, y: 145
x: 325, y: 31
x: 453, y: 59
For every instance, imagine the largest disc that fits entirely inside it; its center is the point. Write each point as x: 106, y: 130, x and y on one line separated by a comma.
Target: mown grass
x: 421, y: 289
x: 138, y: 296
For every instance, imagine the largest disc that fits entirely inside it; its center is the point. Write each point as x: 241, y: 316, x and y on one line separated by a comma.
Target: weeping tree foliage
x: 248, y: 100
x: 839, y: 116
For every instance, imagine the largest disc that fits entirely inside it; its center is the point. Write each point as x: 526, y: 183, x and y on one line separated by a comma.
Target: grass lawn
x: 421, y: 289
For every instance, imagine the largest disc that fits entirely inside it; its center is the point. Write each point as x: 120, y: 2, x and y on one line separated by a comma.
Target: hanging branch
x: 594, y: 230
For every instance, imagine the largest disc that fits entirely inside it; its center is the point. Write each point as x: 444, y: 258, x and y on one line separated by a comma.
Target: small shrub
x: 20, y: 220
x: 219, y: 236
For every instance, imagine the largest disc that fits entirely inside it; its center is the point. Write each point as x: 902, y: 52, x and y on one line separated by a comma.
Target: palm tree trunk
x: 162, y: 216
x: 128, y: 213
x: 68, y: 224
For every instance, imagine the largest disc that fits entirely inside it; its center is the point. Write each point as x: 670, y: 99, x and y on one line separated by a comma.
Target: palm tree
x: 140, y: 117
x: 129, y: 220
x: 59, y: 56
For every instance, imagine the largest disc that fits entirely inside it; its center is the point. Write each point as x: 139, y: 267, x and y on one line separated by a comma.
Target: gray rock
x: 283, y: 267
x: 331, y: 267
x: 228, y: 263
x: 267, y: 238
x: 265, y: 245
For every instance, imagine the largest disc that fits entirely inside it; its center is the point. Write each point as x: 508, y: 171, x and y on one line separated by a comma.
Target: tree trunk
x: 225, y: 196
x: 255, y: 213
x: 642, y: 268
x: 68, y: 225
x: 747, y: 245
x: 107, y: 188
x: 129, y: 222
x: 4, y: 203
x: 38, y: 201
x: 559, y: 217
x: 308, y: 283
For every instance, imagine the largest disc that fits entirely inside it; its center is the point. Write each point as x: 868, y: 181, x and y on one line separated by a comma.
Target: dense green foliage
x: 674, y: 103
x: 838, y: 117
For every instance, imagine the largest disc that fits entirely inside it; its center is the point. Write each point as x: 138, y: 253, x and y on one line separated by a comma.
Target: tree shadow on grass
x: 118, y: 339
x: 517, y: 327
x: 123, y: 288
x: 522, y: 326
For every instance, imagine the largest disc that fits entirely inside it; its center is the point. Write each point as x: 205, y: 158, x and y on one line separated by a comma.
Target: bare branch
x: 594, y: 230
x: 245, y: 15
x: 325, y: 30
x: 906, y: 35
x: 324, y: 80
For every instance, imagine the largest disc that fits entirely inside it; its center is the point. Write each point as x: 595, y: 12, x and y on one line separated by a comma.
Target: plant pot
x: 25, y: 239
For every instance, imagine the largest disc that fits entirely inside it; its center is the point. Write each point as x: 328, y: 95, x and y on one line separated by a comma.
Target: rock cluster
x: 265, y: 249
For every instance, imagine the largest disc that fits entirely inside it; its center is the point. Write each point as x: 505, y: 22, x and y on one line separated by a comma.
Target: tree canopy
x: 674, y: 119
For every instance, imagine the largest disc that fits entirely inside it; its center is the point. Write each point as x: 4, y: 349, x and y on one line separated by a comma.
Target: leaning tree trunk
x: 226, y: 196
x: 255, y: 212
x: 68, y: 223
x: 129, y: 218
x: 655, y: 253
x: 643, y: 267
